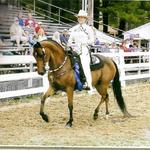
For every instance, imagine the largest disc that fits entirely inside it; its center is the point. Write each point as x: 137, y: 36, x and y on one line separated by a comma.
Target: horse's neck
x: 57, y: 57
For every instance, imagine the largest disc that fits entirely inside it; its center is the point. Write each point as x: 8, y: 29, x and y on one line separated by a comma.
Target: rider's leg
x: 85, y: 60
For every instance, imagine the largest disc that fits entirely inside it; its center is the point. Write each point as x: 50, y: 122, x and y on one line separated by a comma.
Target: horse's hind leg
x: 106, y: 103
x: 69, y: 92
x: 48, y: 93
x: 102, y: 90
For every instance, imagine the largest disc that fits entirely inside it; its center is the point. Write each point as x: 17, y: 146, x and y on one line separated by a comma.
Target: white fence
x: 130, y: 71
x: 27, y: 62
x: 139, y: 69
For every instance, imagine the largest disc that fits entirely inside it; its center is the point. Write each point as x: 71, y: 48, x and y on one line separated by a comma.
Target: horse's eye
x: 41, y: 55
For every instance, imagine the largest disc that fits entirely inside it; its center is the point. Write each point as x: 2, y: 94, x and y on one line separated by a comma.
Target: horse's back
x: 107, y: 72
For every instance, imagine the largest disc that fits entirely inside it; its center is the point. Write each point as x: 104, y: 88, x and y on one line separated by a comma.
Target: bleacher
x: 11, y: 12
x: 17, y: 67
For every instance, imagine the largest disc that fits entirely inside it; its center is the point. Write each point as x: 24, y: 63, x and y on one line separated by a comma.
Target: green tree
x: 126, y: 14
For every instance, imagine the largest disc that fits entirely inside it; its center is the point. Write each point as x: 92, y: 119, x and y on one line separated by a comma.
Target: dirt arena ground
x: 20, y: 123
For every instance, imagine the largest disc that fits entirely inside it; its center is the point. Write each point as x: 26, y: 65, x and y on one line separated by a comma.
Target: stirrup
x: 85, y: 86
x: 91, y: 92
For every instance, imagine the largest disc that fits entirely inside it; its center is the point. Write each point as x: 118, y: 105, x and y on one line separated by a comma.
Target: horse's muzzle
x: 41, y: 73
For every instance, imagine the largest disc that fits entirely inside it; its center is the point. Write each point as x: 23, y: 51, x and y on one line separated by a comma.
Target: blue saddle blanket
x: 79, y: 85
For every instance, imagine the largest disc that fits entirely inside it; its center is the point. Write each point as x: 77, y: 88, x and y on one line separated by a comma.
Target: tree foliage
x: 127, y: 14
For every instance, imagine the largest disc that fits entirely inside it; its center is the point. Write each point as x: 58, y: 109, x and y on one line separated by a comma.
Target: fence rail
x: 25, y: 61
x: 128, y: 72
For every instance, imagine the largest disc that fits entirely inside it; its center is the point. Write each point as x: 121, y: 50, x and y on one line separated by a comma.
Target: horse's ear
x: 37, y: 45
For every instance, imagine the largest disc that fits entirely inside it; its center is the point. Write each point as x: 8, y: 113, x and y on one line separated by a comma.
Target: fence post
x: 30, y: 81
x: 149, y: 62
x: 122, y: 67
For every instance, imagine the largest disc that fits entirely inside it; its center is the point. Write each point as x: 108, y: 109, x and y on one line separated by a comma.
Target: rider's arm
x: 90, y: 36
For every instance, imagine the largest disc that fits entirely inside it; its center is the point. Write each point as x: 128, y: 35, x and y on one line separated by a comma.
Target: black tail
x: 117, y: 90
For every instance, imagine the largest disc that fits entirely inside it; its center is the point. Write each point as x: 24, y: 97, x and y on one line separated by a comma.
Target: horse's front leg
x: 69, y: 92
x: 48, y: 93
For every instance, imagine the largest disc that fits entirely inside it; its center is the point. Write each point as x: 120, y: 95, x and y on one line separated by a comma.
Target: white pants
x: 18, y: 39
x: 85, y: 61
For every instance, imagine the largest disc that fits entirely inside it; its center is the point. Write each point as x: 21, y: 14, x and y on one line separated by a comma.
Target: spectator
x: 123, y: 46
x: 135, y: 45
x: 29, y: 30
x: 131, y: 48
x: 21, y: 22
x: 97, y: 42
x: 64, y: 37
x: 30, y: 20
x: 40, y: 33
x: 56, y: 37
x: 17, y: 34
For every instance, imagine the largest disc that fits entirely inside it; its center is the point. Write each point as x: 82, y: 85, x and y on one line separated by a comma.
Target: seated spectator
x: 97, y: 42
x: 105, y: 48
x: 131, y: 48
x: 30, y: 20
x: 135, y: 45
x: 17, y: 34
x: 56, y: 37
x: 40, y: 33
x: 29, y: 30
x: 123, y: 46
x: 64, y: 37
x: 21, y: 22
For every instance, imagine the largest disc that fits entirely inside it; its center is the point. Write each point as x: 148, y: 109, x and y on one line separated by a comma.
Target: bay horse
x: 61, y: 75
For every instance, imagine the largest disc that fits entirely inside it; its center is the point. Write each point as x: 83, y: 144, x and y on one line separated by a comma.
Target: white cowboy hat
x: 82, y: 13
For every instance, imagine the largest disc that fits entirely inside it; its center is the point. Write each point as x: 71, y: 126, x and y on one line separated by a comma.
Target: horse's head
x: 49, y: 55
x: 40, y: 55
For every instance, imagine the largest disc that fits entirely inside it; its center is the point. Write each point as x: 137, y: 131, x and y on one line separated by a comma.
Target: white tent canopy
x: 104, y: 38
x: 141, y: 32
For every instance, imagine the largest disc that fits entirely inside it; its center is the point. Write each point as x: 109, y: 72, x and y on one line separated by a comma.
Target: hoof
x: 127, y: 115
x: 44, y: 117
x: 95, y: 116
x: 68, y: 125
x: 107, y: 117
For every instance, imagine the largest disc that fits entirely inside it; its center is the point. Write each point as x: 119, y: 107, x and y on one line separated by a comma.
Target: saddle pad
x: 96, y: 62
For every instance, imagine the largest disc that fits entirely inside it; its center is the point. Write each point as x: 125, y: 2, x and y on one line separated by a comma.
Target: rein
x: 58, y: 68
x: 54, y: 70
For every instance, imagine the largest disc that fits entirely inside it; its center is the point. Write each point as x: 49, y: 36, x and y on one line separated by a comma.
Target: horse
x: 61, y: 75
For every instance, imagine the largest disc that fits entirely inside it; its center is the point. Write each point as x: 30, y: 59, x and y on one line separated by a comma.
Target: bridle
x: 47, y: 68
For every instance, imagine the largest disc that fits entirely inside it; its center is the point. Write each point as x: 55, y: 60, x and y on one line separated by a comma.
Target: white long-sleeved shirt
x: 16, y: 30
x: 81, y: 35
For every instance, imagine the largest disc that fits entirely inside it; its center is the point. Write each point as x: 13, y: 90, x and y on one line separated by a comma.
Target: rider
x: 81, y: 36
